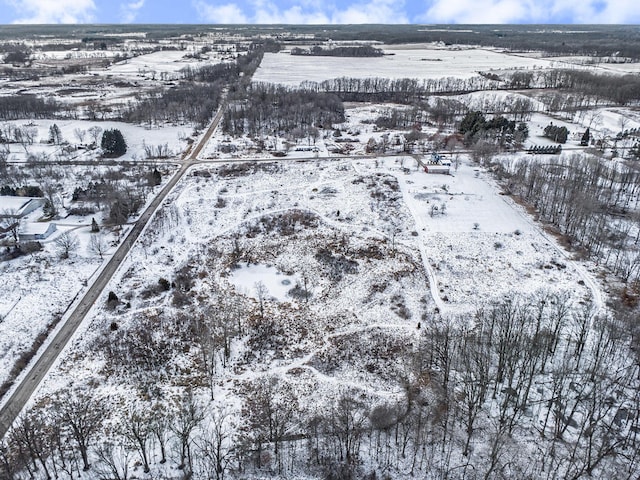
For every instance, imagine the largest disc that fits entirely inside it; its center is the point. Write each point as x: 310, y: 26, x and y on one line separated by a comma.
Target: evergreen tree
x: 156, y: 177
x: 585, y: 138
x: 473, y: 122
x: 94, y: 226
x: 49, y: 209
x: 555, y: 133
x: 113, y: 143
x: 522, y: 133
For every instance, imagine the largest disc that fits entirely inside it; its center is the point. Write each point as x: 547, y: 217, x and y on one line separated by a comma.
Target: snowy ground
x: 165, y: 64
x: 137, y: 137
x: 400, y: 61
x: 39, y: 288
x: 226, y: 228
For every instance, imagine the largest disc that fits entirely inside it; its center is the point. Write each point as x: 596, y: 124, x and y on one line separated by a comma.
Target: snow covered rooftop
x: 19, y: 205
x: 36, y: 228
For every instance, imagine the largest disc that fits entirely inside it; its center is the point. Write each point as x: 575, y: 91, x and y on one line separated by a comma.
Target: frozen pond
x: 277, y: 284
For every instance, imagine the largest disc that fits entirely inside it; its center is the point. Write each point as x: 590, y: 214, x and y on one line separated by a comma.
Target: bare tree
x: 83, y: 415
x: 113, y: 461
x: 160, y: 427
x: 10, y: 223
x: 187, y: 418
x: 95, y: 133
x: 261, y: 292
x: 270, y: 414
x: 137, y: 430
x: 80, y: 134
x: 98, y: 245
x: 348, y: 420
x: 30, y: 435
x: 218, y: 445
x: 474, y: 371
x: 66, y: 244
x: 25, y: 136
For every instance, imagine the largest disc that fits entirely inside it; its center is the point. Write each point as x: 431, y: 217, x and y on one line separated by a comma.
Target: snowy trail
x: 422, y: 240
x: 303, y: 363
x: 421, y: 229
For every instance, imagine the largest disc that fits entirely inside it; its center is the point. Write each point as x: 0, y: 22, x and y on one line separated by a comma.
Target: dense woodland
x: 268, y: 109
x: 591, y: 202
x: 527, y: 387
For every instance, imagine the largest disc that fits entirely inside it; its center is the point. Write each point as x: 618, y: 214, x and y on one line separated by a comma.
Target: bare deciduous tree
x: 83, y: 415
x: 98, y: 245
x: 66, y: 244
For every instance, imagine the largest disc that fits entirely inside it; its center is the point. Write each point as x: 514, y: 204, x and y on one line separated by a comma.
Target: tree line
x: 197, y: 95
x: 591, y: 202
x: 355, y: 51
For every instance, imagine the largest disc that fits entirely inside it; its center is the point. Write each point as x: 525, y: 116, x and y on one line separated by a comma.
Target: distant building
x: 36, y: 231
x: 18, y: 207
x: 443, y: 169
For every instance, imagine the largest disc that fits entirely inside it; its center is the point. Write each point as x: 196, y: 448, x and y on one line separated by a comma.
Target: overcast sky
x: 320, y: 11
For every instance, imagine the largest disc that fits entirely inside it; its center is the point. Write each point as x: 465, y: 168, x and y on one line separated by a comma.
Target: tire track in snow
x: 421, y: 229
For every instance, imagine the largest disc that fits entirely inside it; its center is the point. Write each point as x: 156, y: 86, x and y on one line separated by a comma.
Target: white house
x: 36, y: 231
x: 18, y: 207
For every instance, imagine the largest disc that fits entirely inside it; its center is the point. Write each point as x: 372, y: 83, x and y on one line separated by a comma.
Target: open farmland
x: 400, y: 61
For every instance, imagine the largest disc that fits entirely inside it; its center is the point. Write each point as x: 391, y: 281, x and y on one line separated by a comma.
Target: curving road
x: 37, y: 370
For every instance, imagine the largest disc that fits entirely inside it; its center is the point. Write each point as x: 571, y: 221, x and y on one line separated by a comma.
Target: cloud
x: 376, y: 11
x: 129, y: 11
x: 304, y: 12
x: 269, y: 12
x: 227, y: 13
x: 531, y: 11
x: 59, y: 11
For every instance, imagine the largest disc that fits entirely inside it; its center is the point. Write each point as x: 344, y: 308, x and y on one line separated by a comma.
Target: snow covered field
x: 137, y: 138
x: 362, y: 253
x: 401, y: 61
x: 165, y: 64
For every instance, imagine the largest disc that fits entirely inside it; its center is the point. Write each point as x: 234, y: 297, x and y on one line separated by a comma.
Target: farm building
x: 435, y: 164
x: 18, y: 207
x: 36, y: 231
x: 443, y: 169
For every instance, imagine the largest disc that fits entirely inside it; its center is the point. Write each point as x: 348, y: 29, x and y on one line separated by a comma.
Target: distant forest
x: 359, y: 51
x: 615, y: 41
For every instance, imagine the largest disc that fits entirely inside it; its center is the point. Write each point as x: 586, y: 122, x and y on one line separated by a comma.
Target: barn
x: 442, y: 169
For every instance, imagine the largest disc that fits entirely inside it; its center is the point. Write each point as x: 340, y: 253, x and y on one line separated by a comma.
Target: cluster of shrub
x: 544, y: 150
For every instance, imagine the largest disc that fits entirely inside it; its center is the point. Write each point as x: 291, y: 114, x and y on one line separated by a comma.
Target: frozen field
x: 402, y: 61
x: 168, y: 62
